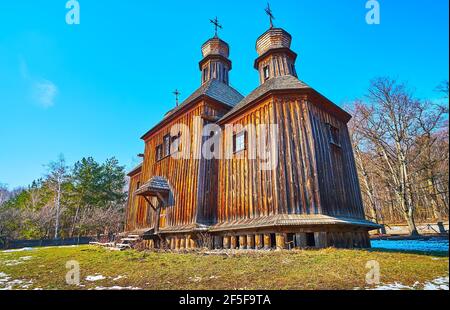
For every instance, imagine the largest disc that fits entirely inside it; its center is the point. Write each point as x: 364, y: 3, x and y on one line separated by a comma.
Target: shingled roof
x: 214, y: 89
x: 156, y: 184
x: 284, y: 82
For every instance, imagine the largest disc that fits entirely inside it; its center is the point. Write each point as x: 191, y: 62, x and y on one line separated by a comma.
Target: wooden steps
x: 125, y: 243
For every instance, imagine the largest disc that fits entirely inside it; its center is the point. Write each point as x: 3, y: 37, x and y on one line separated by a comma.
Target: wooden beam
x: 149, y: 202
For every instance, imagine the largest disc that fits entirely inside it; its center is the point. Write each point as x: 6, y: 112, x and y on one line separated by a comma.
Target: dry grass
x: 312, y: 269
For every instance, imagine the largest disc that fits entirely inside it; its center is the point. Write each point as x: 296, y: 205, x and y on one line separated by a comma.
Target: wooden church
x: 311, y: 198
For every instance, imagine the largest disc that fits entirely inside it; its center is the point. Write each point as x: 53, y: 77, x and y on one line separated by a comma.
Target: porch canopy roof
x: 156, y: 185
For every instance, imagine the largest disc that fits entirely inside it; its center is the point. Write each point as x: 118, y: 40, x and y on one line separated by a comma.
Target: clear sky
x: 93, y: 89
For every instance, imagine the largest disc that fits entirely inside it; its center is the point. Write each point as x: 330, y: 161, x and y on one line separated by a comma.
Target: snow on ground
x: 6, y: 283
x: 118, y: 278
x: 436, y: 284
x: 15, y: 262
x: 95, y: 278
x: 17, y: 250
x: 433, y: 244
x: 116, y: 287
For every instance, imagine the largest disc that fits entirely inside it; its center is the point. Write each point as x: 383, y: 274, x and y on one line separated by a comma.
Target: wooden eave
x: 181, y: 111
x: 316, y: 98
x: 274, y: 51
x: 136, y: 170
x: 298, y: 220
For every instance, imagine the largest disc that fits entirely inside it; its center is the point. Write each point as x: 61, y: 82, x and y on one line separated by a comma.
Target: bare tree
x: 57, y: 174
x: 401, y: 155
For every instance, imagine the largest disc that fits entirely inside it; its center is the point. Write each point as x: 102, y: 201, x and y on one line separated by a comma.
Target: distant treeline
x: 86, y: 199
x: 401, y: 150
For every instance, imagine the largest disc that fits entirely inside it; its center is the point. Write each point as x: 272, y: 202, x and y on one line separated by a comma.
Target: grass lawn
x: 45, y: 268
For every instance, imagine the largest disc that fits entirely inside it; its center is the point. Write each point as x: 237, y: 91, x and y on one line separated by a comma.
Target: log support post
x: 226, y: 242
x: 233, y: 242
x: 267, y: 242
x: 250, y: 241
x: 259, y: 242
x: 320, y: 239
x: 281, y: 241
x: 177, y: 243
x: 217, y: 242
x: 182, y: 243
x: 242, y: 242
x: 300, y: 240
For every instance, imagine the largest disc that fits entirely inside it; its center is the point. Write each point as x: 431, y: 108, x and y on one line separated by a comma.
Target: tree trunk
x: 58, y: 198
x: 74, y: 222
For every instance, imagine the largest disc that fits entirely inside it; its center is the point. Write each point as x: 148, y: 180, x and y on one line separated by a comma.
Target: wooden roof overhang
x: 156, y: 187
x: 179, y: 113
x: 292, y: 220
x: 286, y: 50
x: 135, y: 170
x: 217, y: 57
x: 309, y: 93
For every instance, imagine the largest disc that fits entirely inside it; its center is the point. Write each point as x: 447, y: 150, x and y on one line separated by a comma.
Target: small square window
x: 239, y: 141
x: 166, y: 145
x: 159, y: 152
x: 266, y: 72
x: 294, y: 73
x: 205, y: 74
x: 175, y: 144
x: 334, y: 135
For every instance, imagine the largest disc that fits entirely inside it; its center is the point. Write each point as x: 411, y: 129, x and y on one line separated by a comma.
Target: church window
x: 159, y: 152
x: 266, y: 72
x: 334, y: 135
x: 205, y: 74
x: 294, y: 73
x: 166, y: 145
x: 175, y: 144
x: 239, y: 141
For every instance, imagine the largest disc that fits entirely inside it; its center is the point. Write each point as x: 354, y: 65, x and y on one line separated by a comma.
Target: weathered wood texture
x: 313, y: 176
x: 193, y: 181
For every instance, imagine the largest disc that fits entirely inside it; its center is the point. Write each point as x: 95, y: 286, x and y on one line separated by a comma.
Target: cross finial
x: 176, y: 93
x: 270, y: 14
x: 216, y: 24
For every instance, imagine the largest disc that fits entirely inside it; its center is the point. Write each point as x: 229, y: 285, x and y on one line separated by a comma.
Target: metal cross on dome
x: 176, y: 93
x: 216, y: 24
x: 270, y: 14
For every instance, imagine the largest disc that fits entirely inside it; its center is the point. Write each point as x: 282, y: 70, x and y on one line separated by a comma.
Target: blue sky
x: 93, y: 89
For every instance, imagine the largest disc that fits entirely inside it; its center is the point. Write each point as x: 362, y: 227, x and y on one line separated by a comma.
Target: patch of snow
x: 15, y: 262
x: 95, y: 278
x: 396, y: 286
x: 437, y: 284
x: 441, y: 283
x: 18, y: 250
x: 101, y: 288
x: 195, y: 279
x: 7, y: 284
x: 118, y: 278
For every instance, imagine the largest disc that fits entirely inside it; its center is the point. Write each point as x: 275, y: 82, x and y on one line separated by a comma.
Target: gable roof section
x: 280, y: 83
x: 284, y: 82
x: 135, y: 170
x: 214, y: 89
